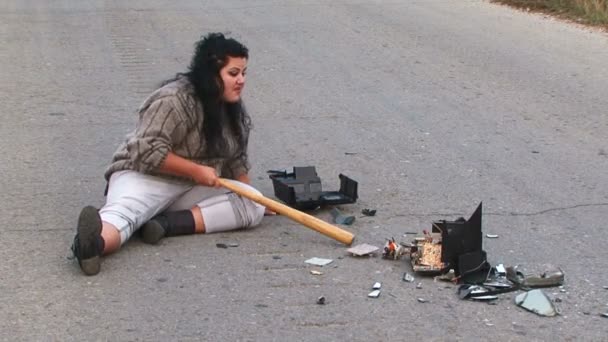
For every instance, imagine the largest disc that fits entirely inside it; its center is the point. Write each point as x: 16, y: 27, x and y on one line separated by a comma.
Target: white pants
x: 134, y: 198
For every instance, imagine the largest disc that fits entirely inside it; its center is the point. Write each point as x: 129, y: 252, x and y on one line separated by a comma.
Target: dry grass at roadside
x: 591, y: 12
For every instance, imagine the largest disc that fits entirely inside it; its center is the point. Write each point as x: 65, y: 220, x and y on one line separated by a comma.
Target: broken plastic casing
x: 302, y: 189
x: 462, y: 246
x: 453, y: 245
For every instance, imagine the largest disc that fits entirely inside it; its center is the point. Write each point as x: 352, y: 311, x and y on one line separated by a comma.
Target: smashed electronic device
x: 452, y: 245
x: 393, y: 250
x: 552, y: 276
x: 302, y: 189
x: 495, y: 283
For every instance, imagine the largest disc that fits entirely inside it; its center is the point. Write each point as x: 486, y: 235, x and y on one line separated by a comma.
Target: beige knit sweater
x: 171, y: 120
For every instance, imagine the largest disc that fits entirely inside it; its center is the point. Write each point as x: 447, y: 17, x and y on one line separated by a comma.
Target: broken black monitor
x: 461, y: 245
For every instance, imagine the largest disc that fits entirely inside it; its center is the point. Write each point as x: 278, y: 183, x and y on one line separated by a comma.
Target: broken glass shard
x: 484, y: 298
x: 501, y: 270
x: 341, y: 219
x: 374, y: 294
x: 318, y: 261
x: 497, y: 284
x: 536, y: 301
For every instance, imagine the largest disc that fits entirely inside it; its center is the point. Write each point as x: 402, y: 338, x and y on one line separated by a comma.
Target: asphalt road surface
x: 432, y: 106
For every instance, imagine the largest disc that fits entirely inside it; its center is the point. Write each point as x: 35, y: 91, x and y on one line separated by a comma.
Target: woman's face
x: 233, y: 76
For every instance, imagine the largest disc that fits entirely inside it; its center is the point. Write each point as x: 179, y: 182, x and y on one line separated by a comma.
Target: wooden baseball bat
x: 309, y: 221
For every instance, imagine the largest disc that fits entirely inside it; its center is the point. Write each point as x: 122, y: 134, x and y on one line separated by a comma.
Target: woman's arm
x: 161, y: 125
x: 201, y: 174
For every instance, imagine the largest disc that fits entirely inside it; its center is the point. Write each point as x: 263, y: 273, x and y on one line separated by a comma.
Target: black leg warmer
x: 179, y: 223
x: 168, y: 224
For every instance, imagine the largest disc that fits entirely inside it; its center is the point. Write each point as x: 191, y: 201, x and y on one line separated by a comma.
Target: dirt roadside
x: 592, y: 14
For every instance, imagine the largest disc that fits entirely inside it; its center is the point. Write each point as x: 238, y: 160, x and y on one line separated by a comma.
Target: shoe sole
x: 152, y: 232
x: 89, y: 230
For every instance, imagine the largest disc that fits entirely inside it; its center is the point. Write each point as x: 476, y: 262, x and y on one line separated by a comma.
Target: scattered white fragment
x: 377, y: 286
x: 315, y: 272
x: 501, y: 270
x: 491, y: 236
x: 374, y: 294
x: 408, y: 277
x: 362, y: 249
x: 318, y: 261
x: 422, y: 300
x: 419, y: 285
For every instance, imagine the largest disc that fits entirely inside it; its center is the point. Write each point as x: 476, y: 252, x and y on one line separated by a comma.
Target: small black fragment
x: 221, y: 245
x: 321, y: 300
x: 368, y: 212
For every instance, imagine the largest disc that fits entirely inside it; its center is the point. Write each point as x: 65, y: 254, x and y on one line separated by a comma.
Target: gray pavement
x: 443, y: 103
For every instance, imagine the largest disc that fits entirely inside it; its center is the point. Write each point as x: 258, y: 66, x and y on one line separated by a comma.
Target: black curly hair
x: 210, y: 56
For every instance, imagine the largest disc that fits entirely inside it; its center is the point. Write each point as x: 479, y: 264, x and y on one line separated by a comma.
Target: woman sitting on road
x: 164, y: 177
